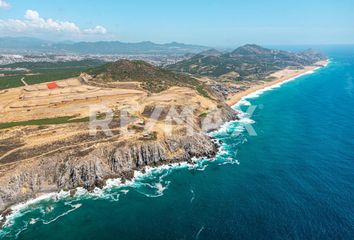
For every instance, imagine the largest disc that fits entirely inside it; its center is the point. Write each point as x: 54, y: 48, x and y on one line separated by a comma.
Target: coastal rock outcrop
x: 90, y: 167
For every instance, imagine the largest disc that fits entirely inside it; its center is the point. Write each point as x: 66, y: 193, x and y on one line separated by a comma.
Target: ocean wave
x: 33, y: 221
x: 246, y: 120
x: 24, y: 207
x: 222, y: 129
x: 242, y: 102
x: 74, y: 207
x: 328, y: 62
x: 193, y: 195
x: 24, y: 228
x: 157, y: 189
x: 229, y: 160
x: 124, y: 191
x: 199, y: 232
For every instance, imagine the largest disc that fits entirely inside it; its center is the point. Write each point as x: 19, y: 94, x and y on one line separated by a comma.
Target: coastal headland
x: 158, y: 116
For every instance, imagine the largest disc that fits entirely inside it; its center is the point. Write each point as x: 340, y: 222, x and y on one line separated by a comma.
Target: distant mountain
x: 152, y: 78
x: 247, y: 62
x: 252, y: 49
x: 116, y: 47
x: 101, y: 47
x: 23, y: 43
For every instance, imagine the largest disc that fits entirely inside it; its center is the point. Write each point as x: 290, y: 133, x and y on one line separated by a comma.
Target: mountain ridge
x: 152, y: 78
x: 248, y: 62
x: 98, y: 47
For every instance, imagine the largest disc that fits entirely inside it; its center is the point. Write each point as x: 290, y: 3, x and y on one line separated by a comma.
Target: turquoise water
x: 294, y: 180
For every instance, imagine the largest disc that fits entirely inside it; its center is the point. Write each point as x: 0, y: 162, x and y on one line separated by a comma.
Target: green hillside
x: 249, y: 62
x: 39, y: 72
x: 153, y: 79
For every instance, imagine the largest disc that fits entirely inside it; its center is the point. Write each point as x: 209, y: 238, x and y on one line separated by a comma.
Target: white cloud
x: 4, y: 4
x: 96, y: 30
x: 34, y: 23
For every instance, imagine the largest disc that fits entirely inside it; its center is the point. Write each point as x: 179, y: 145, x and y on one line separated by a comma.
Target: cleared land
x: 37, y: 121
x: 71, y: 98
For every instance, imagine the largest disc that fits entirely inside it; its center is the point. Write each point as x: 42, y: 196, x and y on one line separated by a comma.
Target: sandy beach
x: 281, y: 76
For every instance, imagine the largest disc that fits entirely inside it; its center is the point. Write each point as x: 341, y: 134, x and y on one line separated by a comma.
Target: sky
x: 219, y: 23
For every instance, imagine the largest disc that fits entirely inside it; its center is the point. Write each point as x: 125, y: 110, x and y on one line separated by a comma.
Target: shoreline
x: 235, y: 100
x: 237, y: 97
x: 14, y: 211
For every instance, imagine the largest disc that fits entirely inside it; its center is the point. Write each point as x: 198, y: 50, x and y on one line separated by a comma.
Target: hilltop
x: 249, y: 62
x: 152, y: 78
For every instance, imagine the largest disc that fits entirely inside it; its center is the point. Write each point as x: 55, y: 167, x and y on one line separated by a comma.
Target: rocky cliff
x: 90, y: 167
x: 52, y: 156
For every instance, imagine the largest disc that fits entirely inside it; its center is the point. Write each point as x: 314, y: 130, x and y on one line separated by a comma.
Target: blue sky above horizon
x: 220, y: 23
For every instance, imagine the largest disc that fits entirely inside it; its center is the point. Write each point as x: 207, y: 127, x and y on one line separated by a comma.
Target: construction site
x: 69, y: 97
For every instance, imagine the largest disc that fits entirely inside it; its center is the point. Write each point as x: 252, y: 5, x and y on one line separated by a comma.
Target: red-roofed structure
x: 52, y: 85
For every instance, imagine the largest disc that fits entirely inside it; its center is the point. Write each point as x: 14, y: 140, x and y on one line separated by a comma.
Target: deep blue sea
x: 293, y: 180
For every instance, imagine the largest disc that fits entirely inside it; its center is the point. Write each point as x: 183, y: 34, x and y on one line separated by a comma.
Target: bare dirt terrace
x: 36, y: 112
x: 70, y: 98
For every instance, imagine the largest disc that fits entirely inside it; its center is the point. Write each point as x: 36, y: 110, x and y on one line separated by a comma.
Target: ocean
x: 286, y: 171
